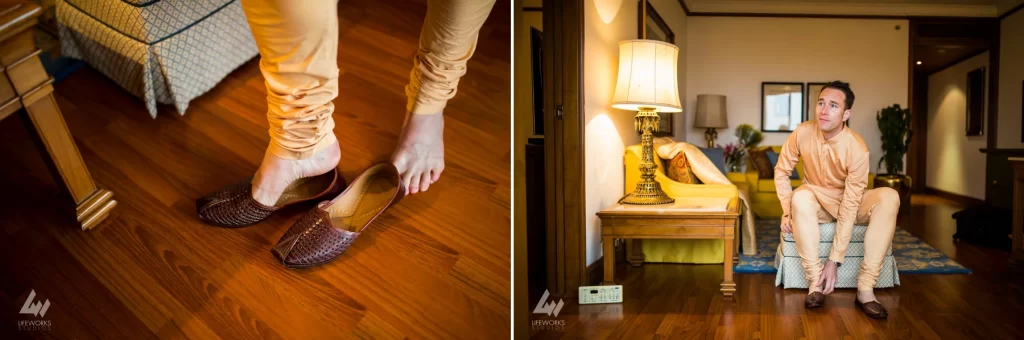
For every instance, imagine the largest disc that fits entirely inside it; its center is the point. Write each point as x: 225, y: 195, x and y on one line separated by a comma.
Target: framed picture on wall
x: 813, y: 89
x: 976, y: 102
x: 782, y: 106
x: 657, y: 29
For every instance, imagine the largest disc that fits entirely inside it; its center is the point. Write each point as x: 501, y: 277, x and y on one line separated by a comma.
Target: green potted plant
x: 747, y: 139
x: 894, y: 124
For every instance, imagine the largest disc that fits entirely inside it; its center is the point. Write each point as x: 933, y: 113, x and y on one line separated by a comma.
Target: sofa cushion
x: 678, y: 169
x: 768, y: 185
x: 773, y: 159
x: 760, y: 162
x: 717, y: 156
x: 149, y: 21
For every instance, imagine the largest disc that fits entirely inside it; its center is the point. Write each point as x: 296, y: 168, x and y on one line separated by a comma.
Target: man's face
x: 831, y: 109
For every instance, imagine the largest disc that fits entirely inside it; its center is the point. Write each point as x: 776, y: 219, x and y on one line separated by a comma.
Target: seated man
x: 836, y: 174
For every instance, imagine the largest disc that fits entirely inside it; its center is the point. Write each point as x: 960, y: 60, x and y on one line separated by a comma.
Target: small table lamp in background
x: 711, y: 115
x: 647, y: 83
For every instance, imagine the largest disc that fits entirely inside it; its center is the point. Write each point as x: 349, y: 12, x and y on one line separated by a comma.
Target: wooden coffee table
x: 672, y: 221
x: 26, y: 88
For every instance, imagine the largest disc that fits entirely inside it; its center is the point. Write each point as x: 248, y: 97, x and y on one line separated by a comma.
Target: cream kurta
x: 836, y: 170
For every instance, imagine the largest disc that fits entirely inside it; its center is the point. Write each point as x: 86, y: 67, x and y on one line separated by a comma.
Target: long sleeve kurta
x: 836, y: 170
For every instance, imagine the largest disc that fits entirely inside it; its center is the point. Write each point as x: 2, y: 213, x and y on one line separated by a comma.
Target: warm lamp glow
x: 647, y: 76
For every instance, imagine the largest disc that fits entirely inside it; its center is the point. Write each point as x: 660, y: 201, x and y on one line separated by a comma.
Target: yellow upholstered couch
x: 764, y: 200
x: 679, y: 251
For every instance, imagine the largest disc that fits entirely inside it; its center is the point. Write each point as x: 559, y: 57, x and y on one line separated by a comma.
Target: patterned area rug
x: 913, y: 256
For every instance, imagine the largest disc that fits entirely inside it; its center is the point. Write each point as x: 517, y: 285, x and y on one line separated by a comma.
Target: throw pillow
x: 679, y: 170
x: 760, y: 162
x: 717, y: 157
x: 773, y: 158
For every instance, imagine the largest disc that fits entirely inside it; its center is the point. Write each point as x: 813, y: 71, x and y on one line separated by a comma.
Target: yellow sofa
x: 764, y: 200
x: 677, y: 251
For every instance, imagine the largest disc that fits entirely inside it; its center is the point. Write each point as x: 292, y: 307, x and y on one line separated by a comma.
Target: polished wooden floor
x: 435, y: 266
x: 682, y: 301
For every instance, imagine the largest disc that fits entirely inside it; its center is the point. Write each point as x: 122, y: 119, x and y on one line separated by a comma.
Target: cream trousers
x: 878, y: 208
x: 298, y: 44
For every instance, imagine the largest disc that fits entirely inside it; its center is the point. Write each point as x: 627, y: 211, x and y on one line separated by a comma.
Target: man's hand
x: 787, y: 225
x: 827, y: 280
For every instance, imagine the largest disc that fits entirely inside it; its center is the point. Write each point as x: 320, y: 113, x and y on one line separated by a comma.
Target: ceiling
x: 936, y: 57
x: 969, y: 8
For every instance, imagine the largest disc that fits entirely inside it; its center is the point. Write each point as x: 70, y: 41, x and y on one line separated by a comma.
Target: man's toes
x: 424, y: 181
x: 435, y: 173
x: 407, y: 181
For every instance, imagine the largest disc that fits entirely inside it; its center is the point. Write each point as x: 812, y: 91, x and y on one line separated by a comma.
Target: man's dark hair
x: 841, y: 86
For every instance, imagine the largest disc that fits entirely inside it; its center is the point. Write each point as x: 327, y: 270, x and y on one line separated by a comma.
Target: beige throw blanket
x: 708, y: 173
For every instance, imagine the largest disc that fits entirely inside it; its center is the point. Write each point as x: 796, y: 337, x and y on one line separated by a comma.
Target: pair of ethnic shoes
x: 326, y: 231
x: 872, y: 309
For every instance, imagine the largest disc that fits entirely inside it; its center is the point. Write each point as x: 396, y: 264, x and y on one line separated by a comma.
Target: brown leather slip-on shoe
x: 814, y: 300
x: 233, y: 206
x: 325, y: 232
x: 873, y: 309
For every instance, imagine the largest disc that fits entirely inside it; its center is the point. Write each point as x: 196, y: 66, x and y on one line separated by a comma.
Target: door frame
x: 564, y: 146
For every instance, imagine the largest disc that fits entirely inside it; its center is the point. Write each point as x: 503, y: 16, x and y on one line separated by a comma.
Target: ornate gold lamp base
x: 710, y: 135
x: 648, y: 191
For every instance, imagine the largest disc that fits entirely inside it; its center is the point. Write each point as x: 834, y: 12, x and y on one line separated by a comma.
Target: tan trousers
x: 298, y: 43
x: 878, y: 208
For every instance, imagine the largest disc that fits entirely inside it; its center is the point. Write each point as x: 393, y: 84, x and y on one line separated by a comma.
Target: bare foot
x: 419, y: 156
x: 275, y: 173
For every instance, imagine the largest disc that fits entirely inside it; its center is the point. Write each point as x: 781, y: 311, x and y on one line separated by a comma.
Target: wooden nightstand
x: 671, y: 221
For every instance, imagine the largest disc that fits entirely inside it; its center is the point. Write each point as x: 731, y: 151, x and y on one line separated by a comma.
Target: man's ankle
x: 866, y: 295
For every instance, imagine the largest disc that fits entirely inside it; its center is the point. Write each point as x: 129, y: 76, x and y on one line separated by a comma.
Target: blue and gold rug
x: 913, y: 256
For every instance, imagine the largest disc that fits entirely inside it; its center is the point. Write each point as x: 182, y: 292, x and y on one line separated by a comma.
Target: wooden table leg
x: 738, y: 232
x: 635, y: 252
x: 609, y: 260
x: 92, y: 204
x: 728, y: 286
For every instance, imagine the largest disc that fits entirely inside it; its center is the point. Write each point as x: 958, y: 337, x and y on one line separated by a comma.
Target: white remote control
x: 600, y: 294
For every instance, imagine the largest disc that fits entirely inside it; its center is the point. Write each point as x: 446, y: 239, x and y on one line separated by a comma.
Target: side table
x: 687, y: 218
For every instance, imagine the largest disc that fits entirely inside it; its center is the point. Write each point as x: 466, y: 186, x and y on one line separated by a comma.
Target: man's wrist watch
x: 838, y: 264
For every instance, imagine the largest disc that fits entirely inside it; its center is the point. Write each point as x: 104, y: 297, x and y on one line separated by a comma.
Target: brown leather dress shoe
x: 814, y: 300
x: 233, y: 206
x: 873, y: 309
x: 328, y: 230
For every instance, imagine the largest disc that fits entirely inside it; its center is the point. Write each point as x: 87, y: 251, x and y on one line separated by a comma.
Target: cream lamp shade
x: 711, y: 112
x: 647, y: 76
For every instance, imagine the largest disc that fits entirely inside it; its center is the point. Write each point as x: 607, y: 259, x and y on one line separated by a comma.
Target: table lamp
x: 711, y: 115
x: 648, y: 84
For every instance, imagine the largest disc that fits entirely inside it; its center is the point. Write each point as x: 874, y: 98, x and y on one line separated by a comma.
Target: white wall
x: 949, y: 149
x: 608, y: 131
x: 1011, y: 74
x: 732, y: 56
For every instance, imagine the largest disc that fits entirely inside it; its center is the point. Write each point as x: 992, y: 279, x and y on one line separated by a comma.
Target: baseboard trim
x: 965, y: 200
x: 595, y: 272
